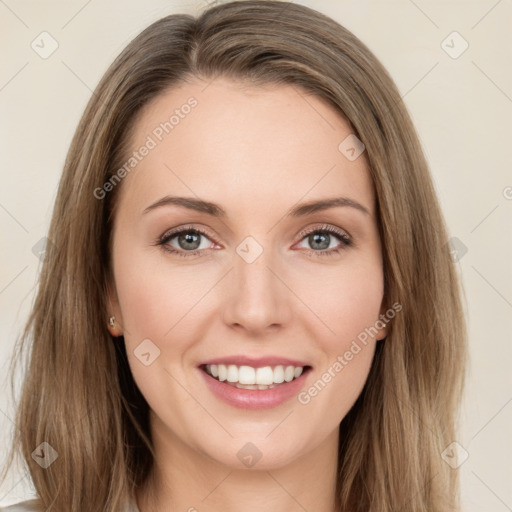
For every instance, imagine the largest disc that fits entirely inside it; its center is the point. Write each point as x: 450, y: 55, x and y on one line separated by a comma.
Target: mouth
x: 254, y: 382
x: 254, y: 378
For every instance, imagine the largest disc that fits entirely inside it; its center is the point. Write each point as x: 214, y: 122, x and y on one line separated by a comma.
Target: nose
x: 258, y: 299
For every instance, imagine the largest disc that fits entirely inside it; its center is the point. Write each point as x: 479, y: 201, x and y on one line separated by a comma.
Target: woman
x: 248, y: 300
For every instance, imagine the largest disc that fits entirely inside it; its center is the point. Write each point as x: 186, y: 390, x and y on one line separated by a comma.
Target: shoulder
x: 24, y: 506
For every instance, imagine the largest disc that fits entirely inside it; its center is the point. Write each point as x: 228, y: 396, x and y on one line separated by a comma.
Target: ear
x: 114, y: 311
x: 382, y: 323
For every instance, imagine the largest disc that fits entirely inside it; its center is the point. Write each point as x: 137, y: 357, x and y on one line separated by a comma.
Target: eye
x: 321, y: 239
x: 187, y: 241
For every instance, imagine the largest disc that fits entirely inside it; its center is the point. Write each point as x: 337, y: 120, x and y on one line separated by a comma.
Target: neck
x: 184, y: 479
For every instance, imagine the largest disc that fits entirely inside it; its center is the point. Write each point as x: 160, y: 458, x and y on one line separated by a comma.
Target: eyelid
x: 171, y: 233
x: 342, y: 233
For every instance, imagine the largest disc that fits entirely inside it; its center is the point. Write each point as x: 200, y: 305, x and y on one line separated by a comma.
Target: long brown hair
x: 78, y: 394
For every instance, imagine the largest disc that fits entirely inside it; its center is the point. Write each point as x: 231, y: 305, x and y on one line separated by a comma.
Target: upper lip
x: 255, y: 362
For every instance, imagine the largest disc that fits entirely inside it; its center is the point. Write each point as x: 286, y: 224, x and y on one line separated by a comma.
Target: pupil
x: 315, y: 239
x: 186, y: 239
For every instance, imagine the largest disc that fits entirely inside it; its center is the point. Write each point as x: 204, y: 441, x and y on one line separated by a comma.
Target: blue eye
x: 190, y: 244
x: 321, y: 238
x: 188, y: 240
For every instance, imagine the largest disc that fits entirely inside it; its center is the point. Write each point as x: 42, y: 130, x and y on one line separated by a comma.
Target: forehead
x: 230, y: 142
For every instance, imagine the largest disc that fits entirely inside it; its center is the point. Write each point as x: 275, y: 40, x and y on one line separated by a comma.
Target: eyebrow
x: 215, y: 210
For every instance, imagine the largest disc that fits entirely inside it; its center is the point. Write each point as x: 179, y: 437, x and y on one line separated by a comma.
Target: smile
x: 247, y: 377
x: 251, y: 387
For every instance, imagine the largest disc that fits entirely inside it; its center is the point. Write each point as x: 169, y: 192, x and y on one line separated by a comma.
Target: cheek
x: 154, y: 296
x: 345, y: 299
x: 350, y: 308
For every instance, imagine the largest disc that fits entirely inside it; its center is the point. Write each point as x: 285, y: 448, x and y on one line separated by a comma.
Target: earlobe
x: 382, y: 324
x: 113, y: 327
x: 114, y: 319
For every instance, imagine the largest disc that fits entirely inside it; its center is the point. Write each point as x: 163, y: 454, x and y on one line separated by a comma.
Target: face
x: 256, y: 280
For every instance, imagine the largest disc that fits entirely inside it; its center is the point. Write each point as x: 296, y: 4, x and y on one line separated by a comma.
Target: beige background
x: 462, y: 108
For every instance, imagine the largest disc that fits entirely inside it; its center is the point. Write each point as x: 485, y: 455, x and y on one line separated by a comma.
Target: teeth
x: 289, y: 373
x: 278, y: 374
x: 265, y: 375
x: 247, y: 386
x: 247, y: 377
x: 254, y: 386
x: 223, y: 371
x: 232, y: 373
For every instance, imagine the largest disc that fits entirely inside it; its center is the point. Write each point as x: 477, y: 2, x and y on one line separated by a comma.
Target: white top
x: 31, y: 506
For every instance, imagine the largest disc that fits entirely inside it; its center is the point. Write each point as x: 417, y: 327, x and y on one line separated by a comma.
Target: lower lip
x: 255, y: 398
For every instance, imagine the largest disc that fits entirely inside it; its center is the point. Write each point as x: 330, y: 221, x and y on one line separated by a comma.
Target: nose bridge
x: 256, y: 297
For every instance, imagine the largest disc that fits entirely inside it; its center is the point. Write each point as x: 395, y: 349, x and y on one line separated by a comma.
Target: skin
x: 257, y: 152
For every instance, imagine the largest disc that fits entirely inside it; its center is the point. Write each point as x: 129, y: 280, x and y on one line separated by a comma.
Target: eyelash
x: 345, y: 240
